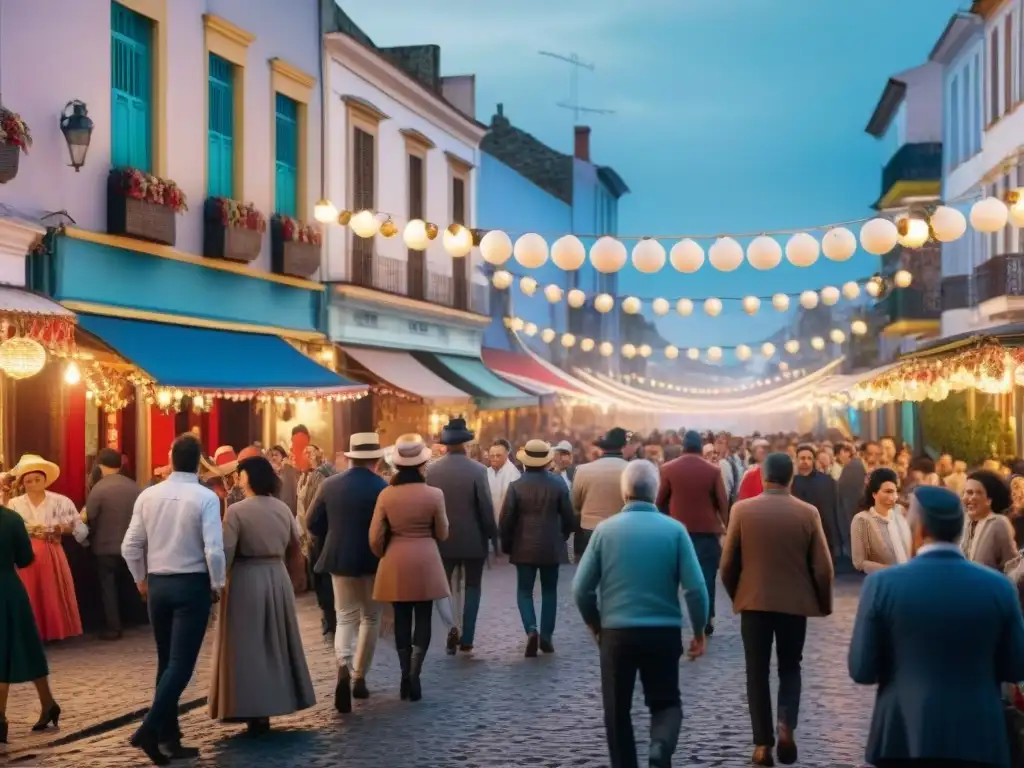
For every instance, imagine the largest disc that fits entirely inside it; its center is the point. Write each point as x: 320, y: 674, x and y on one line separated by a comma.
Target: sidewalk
x: 105, y: 685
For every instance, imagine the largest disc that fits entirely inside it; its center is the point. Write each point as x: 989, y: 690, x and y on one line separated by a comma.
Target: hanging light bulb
x: 858, y: 327
x: 587, y: 345
x: 693, y: 353
x: 502, y: 279
x: 553, y: 293
x: 818, y: 343
x: 874, y: 287
x: 325, y: 211
x: 781, y: 302
x: 792, y: 346
x: 547, y: 335
x: 751, y: 304
x: 528, y: 286
x: 768, y: 349
x: 837, y: 336
x: 902, y: 279
x: 851, y: 290
x: 530, y: 329
x: 913, y: 231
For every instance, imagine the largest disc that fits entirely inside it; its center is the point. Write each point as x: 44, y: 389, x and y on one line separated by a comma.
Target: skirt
x: 51, y: 592
x: 21, y: 651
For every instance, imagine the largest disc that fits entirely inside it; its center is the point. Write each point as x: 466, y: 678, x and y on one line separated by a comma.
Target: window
x: 363, y: 198
x: 416, y: 277
x: 460, y: 267
x: 286, y: 155
x: 1008, y: 99
x: 221, y: 129
x: 978, y: 104
x: 993, y: 107
x: 955, y: 154
x: 131, y: 82
x: 458, y: 201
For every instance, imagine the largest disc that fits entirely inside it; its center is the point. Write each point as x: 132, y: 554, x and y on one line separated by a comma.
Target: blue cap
x: 692, y: 441
x: 940, y: 507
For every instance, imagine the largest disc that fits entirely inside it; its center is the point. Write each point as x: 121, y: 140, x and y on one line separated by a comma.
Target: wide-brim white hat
x: 365, y: 445
x: 536, y: 453
x: 32, y: 462
x: 410, y: 451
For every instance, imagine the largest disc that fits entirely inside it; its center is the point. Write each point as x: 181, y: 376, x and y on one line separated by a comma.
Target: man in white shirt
x: 501, y: 474
x: 174, y: 549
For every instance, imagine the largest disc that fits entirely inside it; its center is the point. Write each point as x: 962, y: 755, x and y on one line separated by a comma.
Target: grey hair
x: 640, y: 481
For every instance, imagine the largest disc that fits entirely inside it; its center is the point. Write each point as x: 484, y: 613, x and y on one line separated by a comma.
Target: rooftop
x: 530, y: 157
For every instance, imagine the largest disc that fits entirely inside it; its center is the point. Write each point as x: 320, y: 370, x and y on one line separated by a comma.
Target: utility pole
x: 573, y: 103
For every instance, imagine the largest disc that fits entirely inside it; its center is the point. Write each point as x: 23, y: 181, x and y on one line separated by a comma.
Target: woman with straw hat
x: 48, y: 516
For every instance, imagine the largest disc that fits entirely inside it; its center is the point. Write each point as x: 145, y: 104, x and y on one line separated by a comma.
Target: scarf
x: 895, y: 531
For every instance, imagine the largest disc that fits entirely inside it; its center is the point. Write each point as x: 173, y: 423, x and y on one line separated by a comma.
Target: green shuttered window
x: 286, y: 156
x: 131, y: 82
x: 221, y: 129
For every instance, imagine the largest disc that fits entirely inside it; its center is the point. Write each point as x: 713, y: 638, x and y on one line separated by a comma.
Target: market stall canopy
x: 401, y: 370
x: 471, y: 375
x: 208, y: 359
x: 20, y: 301
x: 525, y: 372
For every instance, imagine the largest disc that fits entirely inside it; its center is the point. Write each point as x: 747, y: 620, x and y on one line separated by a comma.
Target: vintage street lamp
x: 76, y: 125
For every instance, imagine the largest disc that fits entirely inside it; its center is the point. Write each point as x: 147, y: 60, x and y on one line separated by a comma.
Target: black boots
x: 415, y: 667
x: 405, y: 662
x: 343, y: 691
x: 665, y: 726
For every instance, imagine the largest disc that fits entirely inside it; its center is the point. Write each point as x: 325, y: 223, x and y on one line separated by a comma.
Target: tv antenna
x: 573, y: 104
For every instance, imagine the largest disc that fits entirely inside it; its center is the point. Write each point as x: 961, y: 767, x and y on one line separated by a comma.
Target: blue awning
x: 204, y: 358
x: 471, y: 375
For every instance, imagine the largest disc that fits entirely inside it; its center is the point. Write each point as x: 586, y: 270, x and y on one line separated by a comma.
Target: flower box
x: 295, y: 249
x: 143, y: 206
x: 15, y: 138
x: 232, y: 230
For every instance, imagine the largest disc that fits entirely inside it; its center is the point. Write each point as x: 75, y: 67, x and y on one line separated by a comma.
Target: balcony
x: 915, y: 171
x: 911, y: 312
x: 412, y: 279
x: 999, y: 283
x: 956, y: 292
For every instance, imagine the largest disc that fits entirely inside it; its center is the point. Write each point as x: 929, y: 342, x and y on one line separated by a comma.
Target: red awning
x: 524, y: 369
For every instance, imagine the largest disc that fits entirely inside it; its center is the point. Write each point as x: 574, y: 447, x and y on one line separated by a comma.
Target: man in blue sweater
x: 636, y: 563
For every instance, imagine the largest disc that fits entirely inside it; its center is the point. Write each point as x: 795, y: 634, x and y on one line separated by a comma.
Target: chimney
x: 582, y: 151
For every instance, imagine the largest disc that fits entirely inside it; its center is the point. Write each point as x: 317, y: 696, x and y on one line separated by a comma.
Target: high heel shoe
x: 3, y: 730
x: 50, y: 715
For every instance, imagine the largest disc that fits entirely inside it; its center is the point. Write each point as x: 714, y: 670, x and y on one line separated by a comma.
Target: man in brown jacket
x: 693, y: 492
x: 777, y: 569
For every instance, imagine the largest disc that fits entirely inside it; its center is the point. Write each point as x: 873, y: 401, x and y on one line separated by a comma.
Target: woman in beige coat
x: 880, y: 534
x: 988, y: 537
x: 259, y: 667
x: 407, y: 523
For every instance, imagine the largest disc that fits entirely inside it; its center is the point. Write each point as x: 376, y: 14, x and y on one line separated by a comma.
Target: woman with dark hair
x: 259, y: 667
x: 407, y: 523
x: 988, y: 536
x: 880, y: 535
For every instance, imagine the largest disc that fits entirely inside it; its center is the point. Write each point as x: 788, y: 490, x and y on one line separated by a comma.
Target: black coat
x: 821, y: 492
x: 536, y: 519
x: 340, y: 517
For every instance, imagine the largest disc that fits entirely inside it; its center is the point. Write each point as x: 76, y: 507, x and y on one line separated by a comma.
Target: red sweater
x: 751, y: 485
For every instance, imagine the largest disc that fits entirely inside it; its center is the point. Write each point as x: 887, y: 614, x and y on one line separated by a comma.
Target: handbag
x: 295, y: 562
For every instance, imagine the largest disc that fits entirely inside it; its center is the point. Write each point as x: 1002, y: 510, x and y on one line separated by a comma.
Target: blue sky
x: 730, y: 115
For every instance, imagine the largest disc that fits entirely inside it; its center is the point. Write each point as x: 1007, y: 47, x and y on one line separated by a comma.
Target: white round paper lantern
x: 1016, y: 212
x: 365, y: 223
x: 671, y: 352
x: 837, y: 336
x: 531, y: 250
x: 751, y: 304
x: 743, y: 353
x: 644, y: 350
x: 781, y: 302
x: 687, y: 256
x: 858, y: 327
x: 457, y: 240
x: 604, y: 303
x: 415, y: 237
x: 631, y: 305
x: 502, y: 279
x: 628, y: 351
x: 902, y: 279
x: 713, y: 307
x: 839, y: 244
x: 587, y: 345
x: 568, y: 340
x: 608, y: 255
x: 495, y: 246
x: 809, y: 299
x: 553, y: 293
x: 568, y: 253
x: 792, y: 346
x: 830, y: 295
x: 547, y: 335
x: 879, y: 236
x: 818, y: 343
x: 768, y: 349
x: 660, y: 307
x: 648, y: 256
x: 913, y: 230
x: 764, y: 252
x: 684, y: 307
x: 606, y: 349
x: 948, y: 224
x: 851, y: 290
x: 576, y: 298
x: 714, y: 354
x: 693, y: 353
x: 517, y: 324
x: 802, y: 249
x: 530, y: 329
x: 989, y: 215
x: 874, y: 286
x: 528, y: 286
x: 726, y: 254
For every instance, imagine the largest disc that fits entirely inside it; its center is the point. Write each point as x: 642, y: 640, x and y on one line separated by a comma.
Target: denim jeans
x: 179, y: 610
x: 473, y: 570
x: 526, y: 577
x: 709, y: 554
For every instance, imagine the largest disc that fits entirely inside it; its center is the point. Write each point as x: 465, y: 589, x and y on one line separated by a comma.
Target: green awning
x: 491, y: 392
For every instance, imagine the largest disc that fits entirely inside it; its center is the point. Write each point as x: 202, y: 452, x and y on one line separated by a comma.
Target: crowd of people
x: 386, y: 535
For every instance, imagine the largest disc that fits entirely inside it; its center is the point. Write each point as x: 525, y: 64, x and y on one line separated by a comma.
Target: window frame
x: 290, y: 81
x: 994, y: 90
x: 231, y: 43
x: 360, y: 115
x: 296, y: 160
x: 231, y: 82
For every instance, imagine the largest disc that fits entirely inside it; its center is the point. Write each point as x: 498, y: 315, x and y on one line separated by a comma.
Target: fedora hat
x: 364, y: 445
x: 536, y: 453
x: 32, y: 462
x: 614, y: 440
x: 456, y: 432
x: 410, y: 451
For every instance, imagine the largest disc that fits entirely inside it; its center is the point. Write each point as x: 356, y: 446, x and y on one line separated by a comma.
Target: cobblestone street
x: 492, y: 710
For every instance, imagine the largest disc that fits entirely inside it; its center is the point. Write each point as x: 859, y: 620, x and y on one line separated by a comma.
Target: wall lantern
x: 76, y: 125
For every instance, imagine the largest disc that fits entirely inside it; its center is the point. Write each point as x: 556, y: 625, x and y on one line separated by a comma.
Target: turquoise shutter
x: 131, y: 78
x: 286, y: 156
x: 221, y: 150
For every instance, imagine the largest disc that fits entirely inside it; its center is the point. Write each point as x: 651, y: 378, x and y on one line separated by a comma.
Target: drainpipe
x: 325, y: 296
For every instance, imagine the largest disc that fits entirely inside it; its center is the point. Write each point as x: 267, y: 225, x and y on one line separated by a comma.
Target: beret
x: 937, y: 504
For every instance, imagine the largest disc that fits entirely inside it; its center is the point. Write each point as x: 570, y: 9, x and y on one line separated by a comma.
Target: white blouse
x: 55, y: 510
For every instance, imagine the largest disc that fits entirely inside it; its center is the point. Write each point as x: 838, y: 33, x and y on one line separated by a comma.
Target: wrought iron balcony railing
x: 913, y: 162
x: 957, y: 292
x: 1001, y: 275
x: 912, y: 304
x: 414, y: 280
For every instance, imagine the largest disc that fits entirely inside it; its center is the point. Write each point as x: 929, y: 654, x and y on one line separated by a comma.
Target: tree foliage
x: 948, y: 429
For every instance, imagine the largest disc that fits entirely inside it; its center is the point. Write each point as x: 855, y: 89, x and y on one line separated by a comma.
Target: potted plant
x: 295, y: 247
x: 142, y: 205
x: 232, y: 230
x: 15, y: 138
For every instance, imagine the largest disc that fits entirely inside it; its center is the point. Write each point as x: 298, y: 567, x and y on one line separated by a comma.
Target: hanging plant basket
x: 15, y: 138
x: 228, y: 236
x: 10, y: 155
x: 295, y: 250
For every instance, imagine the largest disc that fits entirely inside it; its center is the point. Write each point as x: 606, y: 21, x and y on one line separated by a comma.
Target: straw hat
x: 364, y: 445
x: 32, y: 462
x: 410, y: 451
x: 536, y: 453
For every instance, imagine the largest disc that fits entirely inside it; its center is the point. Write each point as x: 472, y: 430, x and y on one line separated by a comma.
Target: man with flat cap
x: 938, y: 636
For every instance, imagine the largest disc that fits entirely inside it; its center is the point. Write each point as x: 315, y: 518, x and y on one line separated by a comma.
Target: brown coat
x: 993, y: 542
x: 692, y: 490
x: 407, y: 523
x: 775, y: 557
